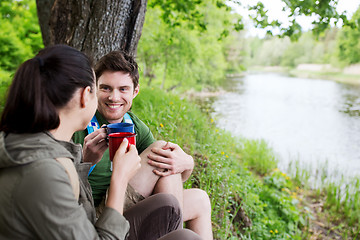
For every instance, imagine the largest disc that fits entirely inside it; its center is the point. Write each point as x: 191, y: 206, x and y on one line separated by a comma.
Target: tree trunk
x: 95, y: 27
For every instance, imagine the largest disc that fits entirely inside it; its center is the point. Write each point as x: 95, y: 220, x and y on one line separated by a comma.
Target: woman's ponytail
x: 43, y: 84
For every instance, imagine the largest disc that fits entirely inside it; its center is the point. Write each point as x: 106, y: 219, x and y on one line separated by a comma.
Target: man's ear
x: 85, y: 96
x: 136, y: 91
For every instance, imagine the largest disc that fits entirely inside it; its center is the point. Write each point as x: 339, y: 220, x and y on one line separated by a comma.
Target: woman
x: 42, y: 197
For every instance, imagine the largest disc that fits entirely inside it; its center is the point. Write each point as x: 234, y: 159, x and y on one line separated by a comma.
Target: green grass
x: 339, y: 194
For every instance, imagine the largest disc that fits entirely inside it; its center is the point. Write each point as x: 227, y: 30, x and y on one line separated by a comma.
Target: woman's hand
x: 125, y: 165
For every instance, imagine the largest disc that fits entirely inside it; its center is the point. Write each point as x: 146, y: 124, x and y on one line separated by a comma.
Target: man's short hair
x: 118, y: 61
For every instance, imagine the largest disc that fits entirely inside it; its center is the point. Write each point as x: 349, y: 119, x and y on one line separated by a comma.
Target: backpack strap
x: 127, y: 118
x: 93, y: 125
x: 72, y: 174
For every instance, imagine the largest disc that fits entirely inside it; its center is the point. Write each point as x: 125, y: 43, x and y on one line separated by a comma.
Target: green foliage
x: 4, y: 85
x: 324, y: 12
x: 259, y: 156
x: 172, y: 57
x: 275, y: 51
x: 20, y: 36
x: 348, y: 41
x: 175, y: 13
x: 332, y: 46
x: 190, y: 13
x: 12, y: 50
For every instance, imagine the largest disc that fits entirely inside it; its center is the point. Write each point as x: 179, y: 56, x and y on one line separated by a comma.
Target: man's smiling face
x: 115, y: 95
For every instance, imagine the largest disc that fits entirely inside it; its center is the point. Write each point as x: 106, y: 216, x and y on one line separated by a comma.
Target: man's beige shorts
x: 131, y: 198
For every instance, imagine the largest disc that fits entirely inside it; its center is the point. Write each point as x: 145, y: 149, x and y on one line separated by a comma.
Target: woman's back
x: 37, y: 212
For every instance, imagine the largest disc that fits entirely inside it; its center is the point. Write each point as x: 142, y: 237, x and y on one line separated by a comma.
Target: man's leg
x: 171, y: 184
x: 197, y: 212
x: 181, y: 234
x: 145, y: 180
x: 154, y: 217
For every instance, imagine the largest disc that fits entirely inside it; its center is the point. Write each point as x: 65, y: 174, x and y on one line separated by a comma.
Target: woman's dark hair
x: 118, y: 61
x: 42, y: 85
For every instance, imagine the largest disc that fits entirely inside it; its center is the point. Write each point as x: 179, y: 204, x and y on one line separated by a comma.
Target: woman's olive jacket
x: 37, y: 199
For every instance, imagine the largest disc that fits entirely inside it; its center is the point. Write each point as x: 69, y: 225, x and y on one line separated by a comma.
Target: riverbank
x: 348, y: 75
x: 251, y: 198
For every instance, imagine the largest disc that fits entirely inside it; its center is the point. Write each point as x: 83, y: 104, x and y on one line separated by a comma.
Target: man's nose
x: 115, y: 96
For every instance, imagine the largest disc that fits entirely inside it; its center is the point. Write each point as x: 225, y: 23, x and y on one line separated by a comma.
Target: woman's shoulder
x: 43, y: 183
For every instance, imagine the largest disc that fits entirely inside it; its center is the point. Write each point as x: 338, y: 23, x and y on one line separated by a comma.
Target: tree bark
x: 94, y: 27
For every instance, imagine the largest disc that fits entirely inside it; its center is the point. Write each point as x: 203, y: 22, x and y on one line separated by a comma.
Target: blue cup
x: 120, y: 127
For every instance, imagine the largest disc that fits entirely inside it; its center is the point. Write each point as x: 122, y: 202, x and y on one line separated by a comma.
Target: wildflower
x: 297, y: 188
x: 276, y: 170
x: 222, y: 153
x: 161, y: 125
x: 216, y: 130
x: 226, y: 156
x: 211, y: 120
x: 152, y: 88
x: 286, y: 190
x: 283, y: 174
x: 271, y: 231
x: 287, y: 178
x: 171, y: 103
x: 276, y: 231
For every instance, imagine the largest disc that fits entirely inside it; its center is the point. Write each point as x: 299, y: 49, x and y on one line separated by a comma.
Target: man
x: 164, y: 165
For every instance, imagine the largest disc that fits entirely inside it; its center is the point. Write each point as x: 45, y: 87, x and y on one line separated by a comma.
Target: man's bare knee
x: 157, y: 144
x: 204, y: 198
x: 145, y: 179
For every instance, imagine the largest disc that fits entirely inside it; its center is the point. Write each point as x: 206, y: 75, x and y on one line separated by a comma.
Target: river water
x: 315, y: 122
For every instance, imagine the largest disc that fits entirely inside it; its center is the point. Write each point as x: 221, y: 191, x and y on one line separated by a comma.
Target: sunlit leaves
x: 322, y: 11
x: 20, y: 36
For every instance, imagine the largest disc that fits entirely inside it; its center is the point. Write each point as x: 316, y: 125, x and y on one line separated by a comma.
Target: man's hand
x: 172, y: 160
x: 94, y: 146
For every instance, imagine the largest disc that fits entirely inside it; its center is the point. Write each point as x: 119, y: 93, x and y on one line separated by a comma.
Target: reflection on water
x: 314, y: 121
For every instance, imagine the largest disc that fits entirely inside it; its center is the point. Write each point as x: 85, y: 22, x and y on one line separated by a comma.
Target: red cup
x: 115, y: 139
